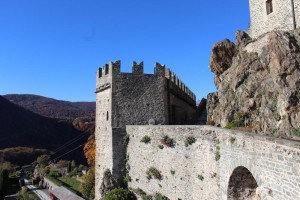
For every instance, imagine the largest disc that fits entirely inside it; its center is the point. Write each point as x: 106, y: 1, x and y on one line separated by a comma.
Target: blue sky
x: 54, y: 47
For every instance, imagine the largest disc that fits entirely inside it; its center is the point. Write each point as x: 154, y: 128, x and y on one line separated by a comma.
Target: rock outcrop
x: 258, y: 83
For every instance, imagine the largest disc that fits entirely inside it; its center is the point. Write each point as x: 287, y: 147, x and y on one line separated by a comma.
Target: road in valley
x: 42, y: 194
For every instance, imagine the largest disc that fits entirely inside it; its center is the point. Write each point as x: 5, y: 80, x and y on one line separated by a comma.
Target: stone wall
x: 280, y: 19
x: 103, y: 135
x: 203, y: 169
x: 49, y: 184
x: 137, y: 99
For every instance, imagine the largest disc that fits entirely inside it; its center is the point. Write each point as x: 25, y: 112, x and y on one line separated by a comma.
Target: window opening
x: 106, y: 70
x: 269, y: 6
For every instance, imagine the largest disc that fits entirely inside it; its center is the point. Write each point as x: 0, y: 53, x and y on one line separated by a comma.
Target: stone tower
x: 268, y: 15
x: 134, y: 99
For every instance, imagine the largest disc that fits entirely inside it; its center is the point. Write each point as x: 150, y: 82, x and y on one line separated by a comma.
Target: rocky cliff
x: 258, y: 82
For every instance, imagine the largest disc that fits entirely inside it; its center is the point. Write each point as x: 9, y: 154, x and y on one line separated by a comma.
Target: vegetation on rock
x: 189, y: 141
x: 146, y: 139
x: 119, y: 194
x: 166, y: 140
x: 152, y: 172
x: 297, y: 131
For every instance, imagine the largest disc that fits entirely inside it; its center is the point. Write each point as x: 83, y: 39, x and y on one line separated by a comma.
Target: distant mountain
x: 53, y: 108
x: 21, y: 127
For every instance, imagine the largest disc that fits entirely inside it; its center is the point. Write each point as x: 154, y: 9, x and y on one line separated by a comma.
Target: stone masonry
x: 135, y: 99
x: 281, y: 17
x: 218, y: 158
x: 197, y: 162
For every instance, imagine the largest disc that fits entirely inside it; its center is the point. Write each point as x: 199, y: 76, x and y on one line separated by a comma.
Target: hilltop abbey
x: 211, y: 167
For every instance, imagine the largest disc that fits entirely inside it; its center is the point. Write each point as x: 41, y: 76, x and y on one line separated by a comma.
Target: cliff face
x: 258, y: 82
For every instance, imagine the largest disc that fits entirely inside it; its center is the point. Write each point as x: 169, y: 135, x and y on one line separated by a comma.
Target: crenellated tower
x: 134, y: 99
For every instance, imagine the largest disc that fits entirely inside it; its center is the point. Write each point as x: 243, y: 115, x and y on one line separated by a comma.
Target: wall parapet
x: 173, y: 78
x: 203, y: 168
x: 114, y: 68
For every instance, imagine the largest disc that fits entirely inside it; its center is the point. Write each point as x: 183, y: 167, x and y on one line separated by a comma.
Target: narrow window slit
x: 269, y: 6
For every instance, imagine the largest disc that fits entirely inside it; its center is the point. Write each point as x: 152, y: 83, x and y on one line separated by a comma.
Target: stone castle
x: 135, y: 99
x: 193, y: 162
x: 268, y: 15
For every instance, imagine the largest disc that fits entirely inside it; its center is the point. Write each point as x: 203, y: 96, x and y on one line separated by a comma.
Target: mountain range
x: 37, y: 122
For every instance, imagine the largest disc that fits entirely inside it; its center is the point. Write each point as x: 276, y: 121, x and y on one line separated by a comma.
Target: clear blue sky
x: 54, y: 47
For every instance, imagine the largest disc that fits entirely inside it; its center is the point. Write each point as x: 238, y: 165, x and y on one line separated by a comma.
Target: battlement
x: 176, y: 81
x: 109, y: 69
x: 114, y: 68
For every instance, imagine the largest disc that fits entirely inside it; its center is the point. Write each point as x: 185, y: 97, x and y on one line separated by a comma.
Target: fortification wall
x: 181, y: 101
x: 178, y: 88
x: 131, y: 98
x: 103, y: 135
x: 181, y: 112
x: 280, y: 19
x: 194, y: 172
x: 139, y: 98
x: 187, y: 163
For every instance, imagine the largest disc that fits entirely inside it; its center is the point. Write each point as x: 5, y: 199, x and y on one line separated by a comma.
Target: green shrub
x: 27, y: 194
x: 232, y: 140
x: 189, y: 141
x: 159, y: 196
x: 166, y: 140
x: 200, y: 177
x: 146, y: 197
x: 273, y: 131
x: 127, y: 178
x: 234, y: 123
x: 146, y: 139
x: 120, y: 194
x: 126, y: 139
x: 152, y: 172
x: 160, y: 146
x: 172, y: 172
x: 298, y: 95
x: 218, y: 155
x: 297, y: 131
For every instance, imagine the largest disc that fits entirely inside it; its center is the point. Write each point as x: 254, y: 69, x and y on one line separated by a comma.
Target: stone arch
x: 242, y: 185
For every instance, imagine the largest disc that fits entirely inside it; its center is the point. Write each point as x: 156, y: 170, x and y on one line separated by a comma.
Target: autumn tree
x: 90, y: 149
x: 62, y: 163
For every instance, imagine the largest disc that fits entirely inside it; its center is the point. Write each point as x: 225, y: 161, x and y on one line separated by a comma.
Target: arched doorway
x: 242, y: 185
